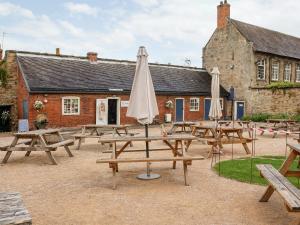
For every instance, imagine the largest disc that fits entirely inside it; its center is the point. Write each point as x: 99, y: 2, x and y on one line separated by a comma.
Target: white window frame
x: 273, y: 70
x: 298, y: 73
x: 287, y: 72
x: 63, y: 104
x: 194, y: 109
x: 261, y: 63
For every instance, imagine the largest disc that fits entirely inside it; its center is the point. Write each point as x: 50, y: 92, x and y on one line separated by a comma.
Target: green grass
x: 240, y: 169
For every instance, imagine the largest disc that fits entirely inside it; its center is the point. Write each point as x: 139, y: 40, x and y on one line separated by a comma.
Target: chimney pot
x: 223, y: 14
x: 57, y: 51
x: 92, y: 56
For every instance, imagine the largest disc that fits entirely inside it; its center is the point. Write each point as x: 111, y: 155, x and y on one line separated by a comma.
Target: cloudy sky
x: 172, y: 30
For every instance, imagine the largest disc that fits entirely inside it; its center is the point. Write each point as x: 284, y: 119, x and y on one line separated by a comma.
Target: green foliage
x: 260, y: 117
x: 282, y: 85
x: 240, y: 169
x: 263, y: 117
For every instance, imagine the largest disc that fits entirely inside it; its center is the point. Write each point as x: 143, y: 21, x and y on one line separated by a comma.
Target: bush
x: 282, y: 85
x: 263, y: 117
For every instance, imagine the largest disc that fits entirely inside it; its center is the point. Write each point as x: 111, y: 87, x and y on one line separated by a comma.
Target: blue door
x: 25, y: 109
x: 206, y: 108
x: 240, y: 109
x: 179, y: 110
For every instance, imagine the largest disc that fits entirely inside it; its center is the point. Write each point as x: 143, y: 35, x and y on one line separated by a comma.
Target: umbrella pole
x: 147, y: 149
x: 148, y: 175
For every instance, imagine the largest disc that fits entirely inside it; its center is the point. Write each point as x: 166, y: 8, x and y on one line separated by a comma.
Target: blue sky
x: 171, y: 30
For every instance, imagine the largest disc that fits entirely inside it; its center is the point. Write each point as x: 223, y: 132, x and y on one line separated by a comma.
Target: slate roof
x: 269, y: 41
x: 64, y: 74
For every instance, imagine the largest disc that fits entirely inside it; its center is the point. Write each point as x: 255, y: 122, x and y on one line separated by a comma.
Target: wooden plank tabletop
x: 105, y: 126
x: 187, y: 123
x: 150, y: 138
x: 37, y: 132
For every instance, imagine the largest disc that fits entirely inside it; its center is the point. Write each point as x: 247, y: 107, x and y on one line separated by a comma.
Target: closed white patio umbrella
x: 215, y: 111
x: 142, y: 102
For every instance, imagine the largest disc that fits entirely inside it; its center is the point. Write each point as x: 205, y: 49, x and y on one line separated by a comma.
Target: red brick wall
x: 53, y: 109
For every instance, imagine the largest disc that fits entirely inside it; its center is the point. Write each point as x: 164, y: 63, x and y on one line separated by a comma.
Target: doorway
x: 179, y: 109
x: 239, y: 109
x: 112, y: 117
x: 207, y: 103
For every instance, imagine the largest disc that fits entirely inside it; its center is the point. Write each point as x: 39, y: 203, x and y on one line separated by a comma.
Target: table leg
x: 51, y: 157
x: 79, y: 143
x: 185, y: 172
x: 31, y: 145
x: 6, y: 157
x: 114, y: 170
x: 126, y: 132
x: 239, y: 133
x: 68, y: 151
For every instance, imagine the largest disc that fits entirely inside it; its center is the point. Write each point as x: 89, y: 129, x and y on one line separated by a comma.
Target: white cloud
x: 71, y: 28
x: 7, y: 8
x: 81, y: 8
x: 147, y: 3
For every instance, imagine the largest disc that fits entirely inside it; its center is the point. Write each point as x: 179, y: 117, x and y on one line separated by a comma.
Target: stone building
x: 84, y: 90
x: 250, y: 58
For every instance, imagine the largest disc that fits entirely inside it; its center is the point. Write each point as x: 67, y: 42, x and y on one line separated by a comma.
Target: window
x: 261, y: 69
x: 298, y: 73
x: 70, y: 105
x: 194, y: 104
x: 275, y: 71
x: 287, y: 72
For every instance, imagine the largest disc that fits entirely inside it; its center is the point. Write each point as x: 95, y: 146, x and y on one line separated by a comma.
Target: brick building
x: 83, y: 90
x: 249, y: 59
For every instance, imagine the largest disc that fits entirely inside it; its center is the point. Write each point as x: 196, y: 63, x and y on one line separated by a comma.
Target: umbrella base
x: 146, y: 176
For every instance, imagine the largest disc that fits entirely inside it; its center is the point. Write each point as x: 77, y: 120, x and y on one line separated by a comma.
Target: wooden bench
x: 113, y: 163
x: 12, y: 210
x: 288, y: 192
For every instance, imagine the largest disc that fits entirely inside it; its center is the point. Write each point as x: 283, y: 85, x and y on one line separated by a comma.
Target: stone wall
x: 233, y: 55
x: 8, y: 94
x: 274, y: 102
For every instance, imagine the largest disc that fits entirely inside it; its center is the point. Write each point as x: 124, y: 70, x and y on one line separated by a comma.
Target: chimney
x: 92, y: 56
x: 57, y: 51
x: 223, y: 14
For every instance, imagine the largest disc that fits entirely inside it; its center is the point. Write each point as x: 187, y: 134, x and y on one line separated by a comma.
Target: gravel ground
x: 78, y: 191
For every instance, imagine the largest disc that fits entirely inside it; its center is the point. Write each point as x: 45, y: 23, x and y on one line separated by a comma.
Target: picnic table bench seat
x: 287, y: 191
x: 4, y: 147
x: 113, y: 163
x: 68, y: 142
x: 12, y: 210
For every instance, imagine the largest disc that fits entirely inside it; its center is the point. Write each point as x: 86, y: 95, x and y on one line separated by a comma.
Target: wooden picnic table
x: 221, y: 135
x: 37, y: 141
x: 179, y: 154
x: 278, y: 181
x: 184, y: 126
x: 96, y: 131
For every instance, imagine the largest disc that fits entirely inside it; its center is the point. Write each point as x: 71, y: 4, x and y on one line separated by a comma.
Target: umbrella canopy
x: 215, y: 111
x: 142, y: 102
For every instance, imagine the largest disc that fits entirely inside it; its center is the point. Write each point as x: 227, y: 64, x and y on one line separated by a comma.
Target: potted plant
x: 38, y: 105
x: 5, y: 121
x: 168, y: 116
x: 41, y: 121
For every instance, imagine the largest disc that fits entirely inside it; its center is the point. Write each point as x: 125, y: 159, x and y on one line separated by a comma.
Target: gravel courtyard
x: 78, y: 191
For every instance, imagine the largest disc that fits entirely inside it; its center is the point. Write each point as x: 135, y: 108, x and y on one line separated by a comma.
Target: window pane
x: 287, y: 72
x: 261, y: 69
x: 275, y: 71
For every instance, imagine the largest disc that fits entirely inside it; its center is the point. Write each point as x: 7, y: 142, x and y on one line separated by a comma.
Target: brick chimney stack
x: 57, y: 51
x: 92, y: 56
x: 223, y: 14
